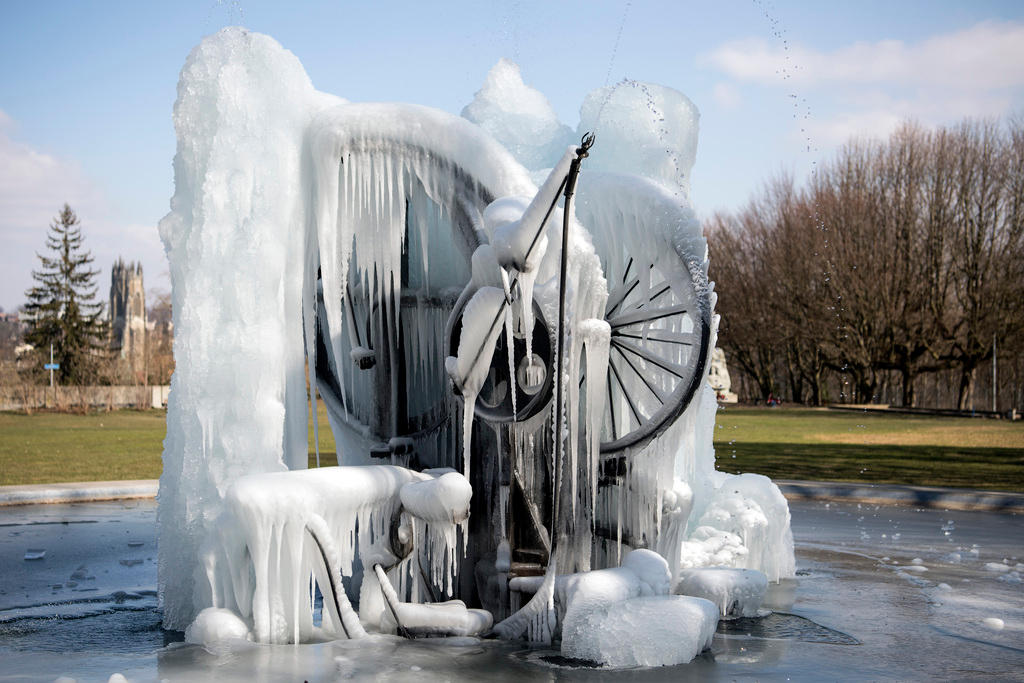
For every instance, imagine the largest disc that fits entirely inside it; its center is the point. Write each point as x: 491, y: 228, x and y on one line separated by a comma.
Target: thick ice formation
x: 519, y: 117
x: 234, y: 242
x: 736, y: 592
x: 646, y: 130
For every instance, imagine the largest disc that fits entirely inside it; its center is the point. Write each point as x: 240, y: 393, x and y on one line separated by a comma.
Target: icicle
x: 510, y: 342
x: 596, y: 338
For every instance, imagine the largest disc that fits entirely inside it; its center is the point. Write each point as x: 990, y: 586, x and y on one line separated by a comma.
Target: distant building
x: 128, y: 313
x: 718, y: 377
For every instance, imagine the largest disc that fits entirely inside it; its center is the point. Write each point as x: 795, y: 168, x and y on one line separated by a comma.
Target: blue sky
x: 86, y: 88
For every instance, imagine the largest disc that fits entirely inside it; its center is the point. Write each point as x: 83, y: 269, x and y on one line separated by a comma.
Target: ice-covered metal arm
x: 566, y: 189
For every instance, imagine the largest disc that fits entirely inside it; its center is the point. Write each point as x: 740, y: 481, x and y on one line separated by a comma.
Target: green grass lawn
x: 45, y: 448
x: 785, y: 443
x: 797, y: 443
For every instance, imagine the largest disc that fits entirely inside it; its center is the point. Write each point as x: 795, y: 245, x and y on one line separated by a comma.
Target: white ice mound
x: 216, y: 627
x: 643, y: 129
x: 737, y: 592
x: 659, y: 630
x: 519, y: 117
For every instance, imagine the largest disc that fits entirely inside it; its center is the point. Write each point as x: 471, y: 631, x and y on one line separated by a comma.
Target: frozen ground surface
x: 882, y: 593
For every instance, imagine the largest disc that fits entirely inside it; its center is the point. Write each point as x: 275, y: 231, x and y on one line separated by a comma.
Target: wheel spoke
x: 611, y: 409
x: 673, y: 368
x: 622, y: 386
x: 666, y: 336
x: 617, y: 299
x: 654, y: 390
x: 646, y: 315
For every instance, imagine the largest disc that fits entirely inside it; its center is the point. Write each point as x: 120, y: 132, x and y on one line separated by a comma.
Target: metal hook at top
x: 586, y: 142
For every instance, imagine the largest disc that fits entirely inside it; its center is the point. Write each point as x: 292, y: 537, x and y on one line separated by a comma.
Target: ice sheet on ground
x: 736, y: 592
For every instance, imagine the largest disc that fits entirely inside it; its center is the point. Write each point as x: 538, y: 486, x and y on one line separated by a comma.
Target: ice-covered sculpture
x: 366, y: 243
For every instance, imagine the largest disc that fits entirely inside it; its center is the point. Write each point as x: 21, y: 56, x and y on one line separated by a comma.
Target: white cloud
x: 33, y: 187
x: 985, y: 56
x: 866, y: 89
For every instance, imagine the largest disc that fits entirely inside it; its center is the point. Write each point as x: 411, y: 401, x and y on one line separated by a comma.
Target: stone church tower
x: 128, y: 313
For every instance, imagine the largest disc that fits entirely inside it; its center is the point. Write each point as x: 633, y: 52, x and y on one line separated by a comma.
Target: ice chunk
x: 737, y: 592
x: 519, y: 117
x: 752, y: 507
x: 642, y: 573
x: 994, y: 623
x: 648, y: 631
x: 215, y: 626
x: 35, y: 554
x: 643, y: 129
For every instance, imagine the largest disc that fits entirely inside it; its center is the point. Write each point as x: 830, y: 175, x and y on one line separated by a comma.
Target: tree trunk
x: 966, y: 391
x: 909, y: 397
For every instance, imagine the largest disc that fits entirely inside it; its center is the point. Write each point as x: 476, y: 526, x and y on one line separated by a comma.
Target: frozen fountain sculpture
x: 407, y: 259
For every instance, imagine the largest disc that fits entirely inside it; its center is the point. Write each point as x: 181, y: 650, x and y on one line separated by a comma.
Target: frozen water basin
x: 853, y: 612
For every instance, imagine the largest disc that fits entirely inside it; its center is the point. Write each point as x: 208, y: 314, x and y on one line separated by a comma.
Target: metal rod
x: 570, y: 188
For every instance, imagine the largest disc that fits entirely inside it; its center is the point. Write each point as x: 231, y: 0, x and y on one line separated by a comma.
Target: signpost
x: 51, y: 366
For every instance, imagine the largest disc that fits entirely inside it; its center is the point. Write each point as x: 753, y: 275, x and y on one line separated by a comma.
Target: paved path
x: 78, y: 492
x: 894, y: 494
x: 877, y: 494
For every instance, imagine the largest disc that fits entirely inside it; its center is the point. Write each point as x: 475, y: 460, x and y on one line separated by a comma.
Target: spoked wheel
x: 656, y: 356
x: 659, y: 307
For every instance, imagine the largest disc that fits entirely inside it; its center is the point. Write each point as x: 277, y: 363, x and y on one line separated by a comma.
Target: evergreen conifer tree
x: 62, y: 307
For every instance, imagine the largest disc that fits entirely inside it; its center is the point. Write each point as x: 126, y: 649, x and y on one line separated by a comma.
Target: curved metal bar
x: 333, y: 587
